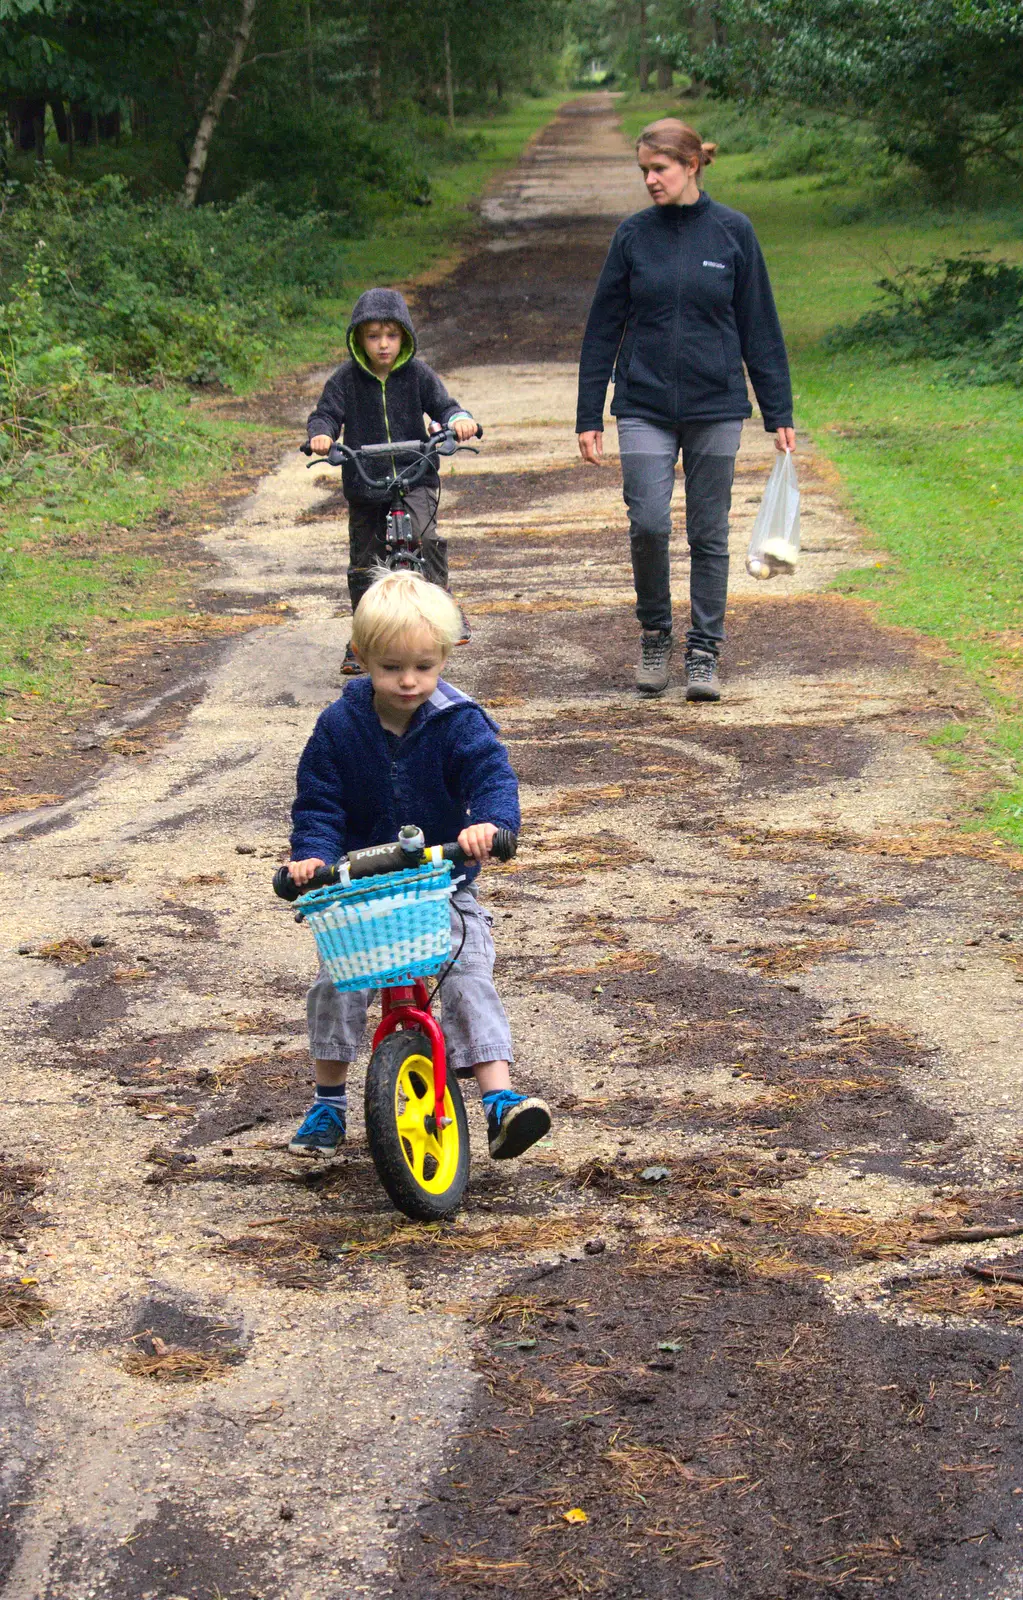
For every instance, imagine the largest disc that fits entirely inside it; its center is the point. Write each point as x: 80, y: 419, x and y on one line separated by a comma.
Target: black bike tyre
x: 385, y: 1145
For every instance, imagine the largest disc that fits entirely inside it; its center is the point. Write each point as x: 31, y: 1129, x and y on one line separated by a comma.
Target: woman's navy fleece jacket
x: 682, y: 301
x: 448, y: 769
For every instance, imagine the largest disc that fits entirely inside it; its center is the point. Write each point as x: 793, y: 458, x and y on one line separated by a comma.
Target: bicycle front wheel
x: 423, y: 1169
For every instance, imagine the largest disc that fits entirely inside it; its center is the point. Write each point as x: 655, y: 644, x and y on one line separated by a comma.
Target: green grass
x: 69, y: 564
x: 931, y: 469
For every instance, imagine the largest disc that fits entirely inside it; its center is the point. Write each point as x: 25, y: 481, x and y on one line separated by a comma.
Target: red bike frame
x: 409, y: 1007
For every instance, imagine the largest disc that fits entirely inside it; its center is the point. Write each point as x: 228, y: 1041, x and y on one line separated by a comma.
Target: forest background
x: 192, y: 196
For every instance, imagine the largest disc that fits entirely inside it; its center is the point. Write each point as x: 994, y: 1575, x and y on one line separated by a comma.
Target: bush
x: 154, y: 291
x: 331, y: 161
x: 58, y: 411
x: 826, y: 148
x: 962, y: 310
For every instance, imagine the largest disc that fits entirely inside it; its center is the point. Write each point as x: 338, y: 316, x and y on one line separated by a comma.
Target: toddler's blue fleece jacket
x: 448, y: 769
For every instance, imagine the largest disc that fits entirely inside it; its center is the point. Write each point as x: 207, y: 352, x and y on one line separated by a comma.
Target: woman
x: 683, y: 300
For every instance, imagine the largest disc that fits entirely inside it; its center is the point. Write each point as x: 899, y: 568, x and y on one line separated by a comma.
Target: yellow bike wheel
x: 424, y: 1168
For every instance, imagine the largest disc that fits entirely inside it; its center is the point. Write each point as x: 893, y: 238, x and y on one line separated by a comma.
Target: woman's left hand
x: 784, y: 438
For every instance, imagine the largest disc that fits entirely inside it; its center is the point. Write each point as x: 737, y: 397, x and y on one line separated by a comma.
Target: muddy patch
x: 657, y: 753
x: 315, y: 1252
x: 819, y: 1087
x: 702, y: 1431
x: 178, y: 1552
x: 530, y: 303
x: 249, y: 1092
x: 485, y: 493
x: 21, y: 1304
x: 591, y: 651
x: 814, y: 634
x: 171, y: 1342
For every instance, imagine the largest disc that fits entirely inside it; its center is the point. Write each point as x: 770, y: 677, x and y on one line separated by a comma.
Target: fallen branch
x: 994, y: 1274
x: 973, y: 1235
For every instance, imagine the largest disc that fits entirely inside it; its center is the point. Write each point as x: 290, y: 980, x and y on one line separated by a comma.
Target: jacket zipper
x: 678, y: 323
x: 383, y: 396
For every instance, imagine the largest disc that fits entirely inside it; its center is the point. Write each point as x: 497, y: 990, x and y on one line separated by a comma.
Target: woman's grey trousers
x: 649, y: 451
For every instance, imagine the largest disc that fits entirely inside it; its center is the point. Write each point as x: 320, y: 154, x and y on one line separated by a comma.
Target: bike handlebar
x: 392, y: 448
x: 443, y: 443
x: 403, y: 854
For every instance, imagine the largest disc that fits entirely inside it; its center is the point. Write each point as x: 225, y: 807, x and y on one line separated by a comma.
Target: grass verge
x: 930, y: 468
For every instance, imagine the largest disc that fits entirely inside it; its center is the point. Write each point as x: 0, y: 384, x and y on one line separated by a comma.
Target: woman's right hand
x: 320, y: 444
x: 591, y: 447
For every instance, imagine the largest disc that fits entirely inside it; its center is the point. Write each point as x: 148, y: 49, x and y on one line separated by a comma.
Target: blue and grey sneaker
x: 321, y: 1131
x: 514, y: 1122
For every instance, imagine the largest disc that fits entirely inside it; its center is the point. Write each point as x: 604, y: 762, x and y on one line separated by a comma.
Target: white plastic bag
x: 774, y: 542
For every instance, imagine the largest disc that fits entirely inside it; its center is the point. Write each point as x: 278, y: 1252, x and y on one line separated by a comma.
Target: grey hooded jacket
x: 371, y: 410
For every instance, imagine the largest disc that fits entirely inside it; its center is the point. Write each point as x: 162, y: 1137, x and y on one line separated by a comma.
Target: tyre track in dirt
x: 734, y: 934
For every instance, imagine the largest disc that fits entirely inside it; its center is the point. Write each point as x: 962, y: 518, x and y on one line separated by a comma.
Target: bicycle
x: 403, y: 545
x: 391, y: 935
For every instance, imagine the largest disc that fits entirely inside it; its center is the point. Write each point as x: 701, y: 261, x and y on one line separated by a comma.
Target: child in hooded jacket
x: 383, y: 393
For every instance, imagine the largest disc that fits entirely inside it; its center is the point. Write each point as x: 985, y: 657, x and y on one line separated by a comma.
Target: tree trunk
x: 664, y: 75
x: 644, y: 60
x: 215, y: 105
x: 376, y: 88
x: 59, y: 114
x: 449, y: 86
x: 310, y: 80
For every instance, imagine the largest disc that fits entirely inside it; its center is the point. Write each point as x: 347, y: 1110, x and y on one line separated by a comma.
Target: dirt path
x: 741, y: 944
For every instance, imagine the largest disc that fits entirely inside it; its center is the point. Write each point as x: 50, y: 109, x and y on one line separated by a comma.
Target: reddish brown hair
x: 678, y: 141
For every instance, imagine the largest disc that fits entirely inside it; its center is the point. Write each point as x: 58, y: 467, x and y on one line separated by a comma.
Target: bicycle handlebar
x: 443, y: 443
x: 392, y: 448
x: 405, y: 853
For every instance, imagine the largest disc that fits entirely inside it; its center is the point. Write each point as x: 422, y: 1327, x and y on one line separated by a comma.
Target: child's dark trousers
x: 366, y: 546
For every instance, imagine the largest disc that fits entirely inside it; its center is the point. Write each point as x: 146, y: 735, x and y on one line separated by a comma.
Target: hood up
x: 381, y: 305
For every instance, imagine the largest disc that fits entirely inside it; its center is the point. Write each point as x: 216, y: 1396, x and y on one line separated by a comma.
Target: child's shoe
x: 322, y: 1129
x: 514, y: 1122
x: 351, y: 666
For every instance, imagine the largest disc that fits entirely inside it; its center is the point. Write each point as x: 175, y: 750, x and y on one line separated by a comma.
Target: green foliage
x: 964, y: 310
x: 155, y: 291
x: 826, y: 147
x: 942, y: 80
x: 333, y: 161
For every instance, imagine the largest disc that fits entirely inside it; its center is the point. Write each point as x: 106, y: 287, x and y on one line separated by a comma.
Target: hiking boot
x: 466, y: 634
x: 702, y: 676
x: 321, y: 1130
x: 351, y: 666
x: 514, y: 1122
x: 655, y: 649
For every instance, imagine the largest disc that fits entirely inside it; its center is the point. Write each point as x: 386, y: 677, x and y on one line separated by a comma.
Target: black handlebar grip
x: 479, y: 431
x: 505, y: 845
x: 286, y: 888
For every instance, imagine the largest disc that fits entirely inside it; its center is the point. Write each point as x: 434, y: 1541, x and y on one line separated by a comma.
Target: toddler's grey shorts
x: 474, y: 1021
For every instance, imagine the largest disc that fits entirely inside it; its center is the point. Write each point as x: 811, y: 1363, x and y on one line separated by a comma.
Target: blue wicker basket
x: 383, y: 931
